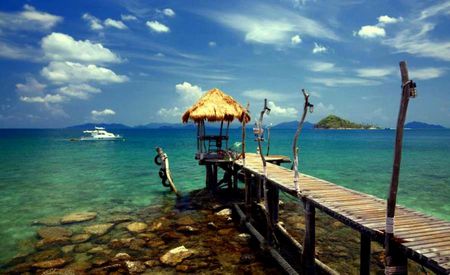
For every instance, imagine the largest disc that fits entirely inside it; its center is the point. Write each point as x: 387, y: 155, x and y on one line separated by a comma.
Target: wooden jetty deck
x: 422, y: 238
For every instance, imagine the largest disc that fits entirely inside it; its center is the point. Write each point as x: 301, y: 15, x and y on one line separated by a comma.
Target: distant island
x: 422, y: 125
x: 335, y: 122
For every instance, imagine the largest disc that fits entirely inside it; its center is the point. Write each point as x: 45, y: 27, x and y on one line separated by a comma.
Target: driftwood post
x: 396, y: 261
x: 306, y: 106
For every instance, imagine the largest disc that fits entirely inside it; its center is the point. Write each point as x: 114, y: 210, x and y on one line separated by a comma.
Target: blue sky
x: 135, y: 62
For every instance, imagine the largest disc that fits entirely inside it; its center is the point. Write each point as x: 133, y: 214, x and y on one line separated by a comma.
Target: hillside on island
x: 335, y: 122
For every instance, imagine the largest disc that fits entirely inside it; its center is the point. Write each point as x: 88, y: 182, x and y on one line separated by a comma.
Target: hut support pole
x: 396, y: 261
x: 364, y: 258
x: 309, y: 250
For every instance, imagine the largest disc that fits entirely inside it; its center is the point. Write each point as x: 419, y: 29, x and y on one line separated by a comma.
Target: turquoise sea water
x: 43, y: 174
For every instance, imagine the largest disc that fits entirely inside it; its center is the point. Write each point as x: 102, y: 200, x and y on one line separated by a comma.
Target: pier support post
x: 364, y: 258
x: 258, y: 188
x: 249, y: 181
x: 235, y: 177
x: 273, y: 195
x: 309, y: 249
x: 208, y: 176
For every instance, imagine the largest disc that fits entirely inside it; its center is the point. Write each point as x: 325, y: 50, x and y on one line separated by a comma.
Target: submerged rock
x: 80, y: 238
x: 137, y: 227
x: 50, y: 263
x: 54, y: 232
x: 48, y: 221
x: 122, y: 256
x: 120, y: 218
x: 187, y: 229
x: 186, y: 220
x: 176, y: 255
x: 98, y: 229
x: 226, y: 213
x: 49, y: 242
x: 135, y: 266
x: 78, y: 217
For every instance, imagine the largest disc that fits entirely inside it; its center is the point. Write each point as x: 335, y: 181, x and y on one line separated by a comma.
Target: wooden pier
x: 424, y: 239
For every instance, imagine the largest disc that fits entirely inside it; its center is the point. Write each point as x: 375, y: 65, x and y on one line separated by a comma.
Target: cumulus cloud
x: 128, y: 17
x: 103, y: 113
x: 30, y: 87
x: 319, y: 48
x: 115, y: 24
x: 188, y: 93
x: 375, y: 72
x: 49, y: 98
x: 369, y: 31
x: 426, y: 73
x: 386, y: 19
x: 323, y: 109
x: 296, y: 39
x: 80, y: 91
x: 169, y: 12
x: 94, y: 23
x: 157, y: 27
x: 29, y: 19
x: 276, y: 110
x: 59, y: 46
x: 70, y: 72
x: 170, y: 112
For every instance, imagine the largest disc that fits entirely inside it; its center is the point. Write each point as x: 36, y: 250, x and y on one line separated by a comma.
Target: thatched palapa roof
x: 215, y: 105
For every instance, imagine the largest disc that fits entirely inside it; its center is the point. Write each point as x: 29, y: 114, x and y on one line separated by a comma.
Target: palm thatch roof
x: 215, y: 105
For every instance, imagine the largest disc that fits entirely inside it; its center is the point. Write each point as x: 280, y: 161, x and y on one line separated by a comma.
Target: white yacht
x: 100, y: 134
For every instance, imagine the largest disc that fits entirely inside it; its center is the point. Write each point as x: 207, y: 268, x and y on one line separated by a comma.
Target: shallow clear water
x: 43, y: 174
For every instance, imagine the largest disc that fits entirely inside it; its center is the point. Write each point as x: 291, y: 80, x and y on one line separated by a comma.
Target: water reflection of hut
x: 214, y: 106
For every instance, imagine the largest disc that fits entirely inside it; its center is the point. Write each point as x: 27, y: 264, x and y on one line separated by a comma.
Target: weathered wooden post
x: 306, y: 106
x: 364, y: 256
x: 395, y: 260
x: 309, y: 243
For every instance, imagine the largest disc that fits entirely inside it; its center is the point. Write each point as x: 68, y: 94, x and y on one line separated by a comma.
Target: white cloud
x: 128, y: 17
x: 296, y: 39
x: 266, y: 24
x: 49, y: 98
x: 322, y: 67
x: 189, y: 93
x: 315, y: 94
x: 386, y: 19
x: 80, y: 91
x: 170, y: 112
x: 371, y: 32
x: 426, y: 73
x: 157, y: 27
x: 59, y: 46
x: 343, y: 81
x: 212, y: 44
x: 169, y: 12
x: 115, y: 24
x: 94, y: 23
x: 442, y: 8
x: 30, y: 87
x: 105, y: 112
x: 260, y: 94
x: 375, y: 72
x: 70, y: 72
x: 29, y: 19
x: 416, y: 40
x: 281, y: 111
x: 319, y: 48
x: 323, y: 109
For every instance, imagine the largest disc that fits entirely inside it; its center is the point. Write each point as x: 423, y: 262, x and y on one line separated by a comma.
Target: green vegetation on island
x: 335, y: 122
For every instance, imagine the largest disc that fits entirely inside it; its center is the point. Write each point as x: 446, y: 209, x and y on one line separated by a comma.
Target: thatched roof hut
x: 215, y: 105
